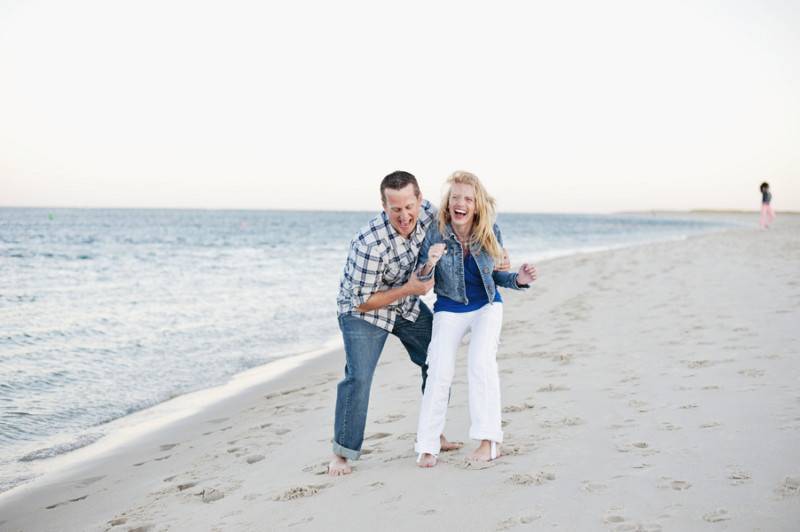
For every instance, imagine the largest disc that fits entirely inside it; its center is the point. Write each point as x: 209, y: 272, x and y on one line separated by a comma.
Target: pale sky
x: 557, y: 106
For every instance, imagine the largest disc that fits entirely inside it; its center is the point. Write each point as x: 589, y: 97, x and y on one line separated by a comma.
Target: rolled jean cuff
x: 344, y: 452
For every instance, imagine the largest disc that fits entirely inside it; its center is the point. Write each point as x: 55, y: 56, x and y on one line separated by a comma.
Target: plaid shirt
x: 380, y: 259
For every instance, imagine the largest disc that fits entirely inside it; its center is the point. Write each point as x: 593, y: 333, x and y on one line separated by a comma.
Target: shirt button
x: 485, y: 269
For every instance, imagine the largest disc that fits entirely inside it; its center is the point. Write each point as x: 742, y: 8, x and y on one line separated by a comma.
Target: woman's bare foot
x: 339, y: 466
x: 426, y: 460
x: 449, y: 445
x: 484, y: 452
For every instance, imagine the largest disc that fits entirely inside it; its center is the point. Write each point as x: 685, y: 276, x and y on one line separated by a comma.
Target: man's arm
x: 385, y: 298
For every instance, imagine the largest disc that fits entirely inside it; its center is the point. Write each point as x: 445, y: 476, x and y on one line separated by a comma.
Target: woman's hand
x: 526, y: 274
x: 435, y: 253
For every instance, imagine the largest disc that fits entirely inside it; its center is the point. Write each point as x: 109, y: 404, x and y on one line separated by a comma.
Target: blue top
x: 476, y: 293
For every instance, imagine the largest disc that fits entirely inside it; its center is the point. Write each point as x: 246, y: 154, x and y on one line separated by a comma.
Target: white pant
x: 483, y: 380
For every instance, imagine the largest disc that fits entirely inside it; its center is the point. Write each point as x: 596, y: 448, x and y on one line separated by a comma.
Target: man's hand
x: 416, y: 287
x: 527, y: 274
x: 505, y: 265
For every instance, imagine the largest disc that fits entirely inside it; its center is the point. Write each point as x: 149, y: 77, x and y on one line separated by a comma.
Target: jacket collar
x: 474, y: 247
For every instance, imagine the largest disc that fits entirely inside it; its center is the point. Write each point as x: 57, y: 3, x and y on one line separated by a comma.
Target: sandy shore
x: 650, y: 388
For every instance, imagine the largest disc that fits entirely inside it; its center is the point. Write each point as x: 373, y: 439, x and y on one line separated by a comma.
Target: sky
x: 557, y: 106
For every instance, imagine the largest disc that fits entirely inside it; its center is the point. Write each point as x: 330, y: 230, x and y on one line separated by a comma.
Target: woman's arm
x: 430, y: 252
x: 518, y: 280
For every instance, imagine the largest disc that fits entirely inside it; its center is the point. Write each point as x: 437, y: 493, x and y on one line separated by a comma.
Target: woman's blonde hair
x: 482, y: 226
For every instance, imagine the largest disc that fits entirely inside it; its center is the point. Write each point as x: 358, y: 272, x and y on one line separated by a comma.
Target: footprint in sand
x: 716, y: 516
x: 378, y: 436
x: 118, y: 521
x: 218, y: 420
x: 643, y: 448
x: 281, y: 432
x: 318, y: 468
x: 477, y: 465
x: 593, y: 487
x: 638, y: 527
x: 790, y: 487
x: 210, y: 495
x: 563, y: 359
x: 553, y: 388
x: 751, y: 372
x: 517, y: 408
x: 738, y: 477
x: 65, y: 502
x: 300, y: 491
x: 88, y: 481
x: 405, y: 456
x: 537, y: 479
x: 255, y: 458
x: 711, y: 425
x: 283, y: 392
x: 512, y: 522
x: 168, y: 446
x: 391, y: 418
x: 186, y: 485
x: 696, y: 364
x: 677, y: 485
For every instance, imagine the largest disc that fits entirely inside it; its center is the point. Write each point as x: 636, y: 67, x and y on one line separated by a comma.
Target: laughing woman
x: 465, y: 245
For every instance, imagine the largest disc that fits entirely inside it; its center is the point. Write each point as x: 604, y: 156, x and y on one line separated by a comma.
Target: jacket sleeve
x: 505, y: 279
x: 422, y: 258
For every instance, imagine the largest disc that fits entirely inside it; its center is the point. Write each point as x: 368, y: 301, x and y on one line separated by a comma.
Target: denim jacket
x: 449, y: 271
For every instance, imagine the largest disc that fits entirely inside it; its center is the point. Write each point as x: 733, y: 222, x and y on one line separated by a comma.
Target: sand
x: 648, y: 388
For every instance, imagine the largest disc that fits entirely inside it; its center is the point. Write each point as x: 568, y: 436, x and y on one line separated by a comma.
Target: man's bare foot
x: 449, y: 445
x: 484, y: 452
x: 339, y: 466
x: 426, y: 460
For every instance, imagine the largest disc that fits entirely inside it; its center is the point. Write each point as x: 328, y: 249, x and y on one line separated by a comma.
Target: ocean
x: 106, y: 312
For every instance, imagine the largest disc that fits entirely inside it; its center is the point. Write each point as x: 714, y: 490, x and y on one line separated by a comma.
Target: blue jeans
x: 363, y: 344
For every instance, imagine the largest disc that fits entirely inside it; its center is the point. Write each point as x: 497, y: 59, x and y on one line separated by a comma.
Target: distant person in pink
x: 767, y: 215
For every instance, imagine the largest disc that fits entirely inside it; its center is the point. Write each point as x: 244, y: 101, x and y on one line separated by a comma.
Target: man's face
x: 402, y: 208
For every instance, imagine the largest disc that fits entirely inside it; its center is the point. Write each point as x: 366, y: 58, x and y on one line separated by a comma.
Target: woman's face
x: 462, y: 206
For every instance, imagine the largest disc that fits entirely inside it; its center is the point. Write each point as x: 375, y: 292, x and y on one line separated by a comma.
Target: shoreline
x: 127, y: 429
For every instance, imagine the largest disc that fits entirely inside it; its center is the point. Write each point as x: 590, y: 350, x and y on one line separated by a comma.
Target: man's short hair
x: 396, y: 181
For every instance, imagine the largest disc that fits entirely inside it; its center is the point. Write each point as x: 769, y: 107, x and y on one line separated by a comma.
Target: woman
x: 461, y: 252
x: 767, y: 215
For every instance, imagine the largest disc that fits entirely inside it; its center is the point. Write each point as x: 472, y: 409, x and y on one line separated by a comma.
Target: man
x: 379, y: 295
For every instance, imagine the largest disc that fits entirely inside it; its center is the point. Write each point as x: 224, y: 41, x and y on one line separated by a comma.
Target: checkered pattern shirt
x: 380, y: 259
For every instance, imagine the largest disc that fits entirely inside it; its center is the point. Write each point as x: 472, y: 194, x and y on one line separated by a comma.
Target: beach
x: 655, y: 387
